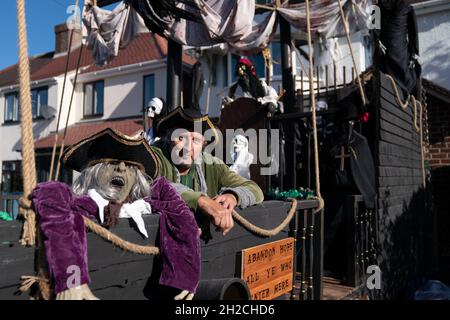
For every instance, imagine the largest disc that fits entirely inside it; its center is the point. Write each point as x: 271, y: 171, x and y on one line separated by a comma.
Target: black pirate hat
x: 189, y: 119
x: 110, y: 146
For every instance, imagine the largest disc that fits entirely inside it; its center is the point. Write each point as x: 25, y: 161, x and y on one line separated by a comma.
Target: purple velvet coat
x: 60, y: 216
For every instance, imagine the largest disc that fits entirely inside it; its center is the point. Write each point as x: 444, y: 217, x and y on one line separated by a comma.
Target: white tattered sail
x: 222, y: 21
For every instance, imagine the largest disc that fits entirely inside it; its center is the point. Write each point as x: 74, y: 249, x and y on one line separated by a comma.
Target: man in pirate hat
x: 119, y: 179
x: 205, y: 182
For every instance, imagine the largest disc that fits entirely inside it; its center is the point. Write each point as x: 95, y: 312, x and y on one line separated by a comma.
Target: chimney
x: 62, y: 38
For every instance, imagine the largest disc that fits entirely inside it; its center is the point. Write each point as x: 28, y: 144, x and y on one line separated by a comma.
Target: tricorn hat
x: 110, y: 146
x: 189, y: 119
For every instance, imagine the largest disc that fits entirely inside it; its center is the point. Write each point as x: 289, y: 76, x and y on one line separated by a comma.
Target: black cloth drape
x: 399, y: 36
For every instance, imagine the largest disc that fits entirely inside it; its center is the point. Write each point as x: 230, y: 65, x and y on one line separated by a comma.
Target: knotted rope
x: 26, y: 118
x: 313, y: 109
x: 152, y: 250
x: 266, y: 232
x: 118, y: 241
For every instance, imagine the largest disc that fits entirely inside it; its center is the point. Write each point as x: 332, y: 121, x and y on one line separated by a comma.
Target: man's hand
x: 221, y: 216
x: 78, y: 293
x: 229, y: 202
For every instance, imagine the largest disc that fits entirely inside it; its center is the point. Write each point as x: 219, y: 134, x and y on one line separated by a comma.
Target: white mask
x: 239, y: 144
x: 154, y: 107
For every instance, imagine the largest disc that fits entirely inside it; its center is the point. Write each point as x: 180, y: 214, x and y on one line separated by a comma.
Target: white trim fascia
x: 433, y: 6
x: 33, y: 84
x: 120, y: 71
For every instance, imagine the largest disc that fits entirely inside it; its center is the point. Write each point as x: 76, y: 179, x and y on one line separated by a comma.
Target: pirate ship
x: 384, y: 232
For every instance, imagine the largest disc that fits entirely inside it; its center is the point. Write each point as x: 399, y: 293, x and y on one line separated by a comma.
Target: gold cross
x: 342, y: 157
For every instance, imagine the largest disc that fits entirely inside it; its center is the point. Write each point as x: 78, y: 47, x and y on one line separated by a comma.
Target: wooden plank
x: 261, y: 255
x: 398, y: 131
x: 388, y: 137
x: 273, y: 289
x: 392, y: 181
x: 393, y: 161
x: 387, y: 171
x: 275, y: 269
x: 268, y: 268
x: 398, y: 190
x: 389, y: 116
x: 389, y: 104
x: 396, y: 150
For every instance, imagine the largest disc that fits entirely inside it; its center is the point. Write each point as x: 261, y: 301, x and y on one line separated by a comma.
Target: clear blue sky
x: 42, y: 16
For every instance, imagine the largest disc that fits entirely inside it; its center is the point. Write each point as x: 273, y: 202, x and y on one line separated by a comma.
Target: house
x: 112, y: 95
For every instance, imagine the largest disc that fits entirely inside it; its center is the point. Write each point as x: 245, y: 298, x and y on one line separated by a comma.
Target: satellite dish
x: 48, y: 112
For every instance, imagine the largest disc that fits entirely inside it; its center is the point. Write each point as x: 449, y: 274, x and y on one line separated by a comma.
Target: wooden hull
x: 116, y: 274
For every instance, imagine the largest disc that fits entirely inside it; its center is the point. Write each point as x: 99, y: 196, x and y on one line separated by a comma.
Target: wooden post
x: 344, y: 72
x: 174, y: 74
x: 289, y: 99
x: 318, y: 82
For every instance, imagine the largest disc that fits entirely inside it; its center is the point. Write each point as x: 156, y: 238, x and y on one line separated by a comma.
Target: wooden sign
x: 268, y: 269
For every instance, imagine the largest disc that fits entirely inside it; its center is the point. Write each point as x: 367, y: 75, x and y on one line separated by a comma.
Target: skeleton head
x: 239, y: 144
x: 154, y: 107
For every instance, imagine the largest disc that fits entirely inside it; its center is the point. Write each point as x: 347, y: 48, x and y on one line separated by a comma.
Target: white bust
x: 242, y: 158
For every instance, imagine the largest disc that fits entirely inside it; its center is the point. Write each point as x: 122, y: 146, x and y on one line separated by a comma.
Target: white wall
x: 433, y: 19
x: 123, y: 97
x: 124, y: 93
x: 10, y: 133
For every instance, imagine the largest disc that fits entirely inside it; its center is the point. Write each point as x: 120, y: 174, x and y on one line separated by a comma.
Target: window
x: 149, y: 89
x: 39, y: 98
x: 11, y: 177
x: 93, y: 99
x: 12, y: 107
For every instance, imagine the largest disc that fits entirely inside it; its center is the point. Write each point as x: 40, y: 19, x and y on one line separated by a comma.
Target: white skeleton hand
x: 184, y: 295
x: 78, y: 293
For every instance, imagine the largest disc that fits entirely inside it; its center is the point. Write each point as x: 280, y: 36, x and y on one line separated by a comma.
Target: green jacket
x: 219, y: 179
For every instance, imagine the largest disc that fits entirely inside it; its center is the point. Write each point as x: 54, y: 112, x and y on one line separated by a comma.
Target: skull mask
x: 154, y: 107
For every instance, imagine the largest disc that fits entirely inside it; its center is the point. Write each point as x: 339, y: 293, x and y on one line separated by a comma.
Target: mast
x: 174, y: 74
x: 289, y: 98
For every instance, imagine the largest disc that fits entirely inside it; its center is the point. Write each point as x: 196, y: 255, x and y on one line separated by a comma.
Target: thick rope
x: 313, y: 109
x: 349, y: 42
x: 52, y: 162
x: 266, y: 232
x: 117, y: 241
x: 152, y: 250
x: 28, y: 158
x: 402, y: 104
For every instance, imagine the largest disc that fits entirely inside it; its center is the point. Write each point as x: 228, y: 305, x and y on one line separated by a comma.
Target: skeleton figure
x: 154, y: 109
x: 249, y: 86
x: 242, y: 158
x: 117, y: 182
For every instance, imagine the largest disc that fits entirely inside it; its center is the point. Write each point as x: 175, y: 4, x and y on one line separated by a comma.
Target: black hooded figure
x: 344, y: 176
x: 399, y: 43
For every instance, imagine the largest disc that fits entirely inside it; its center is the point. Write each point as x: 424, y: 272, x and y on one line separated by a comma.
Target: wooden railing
x: 361, y: 239
x: 307, y: 229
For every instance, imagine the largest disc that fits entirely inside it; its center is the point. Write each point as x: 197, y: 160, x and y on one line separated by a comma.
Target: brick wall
x: 439, y: 162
